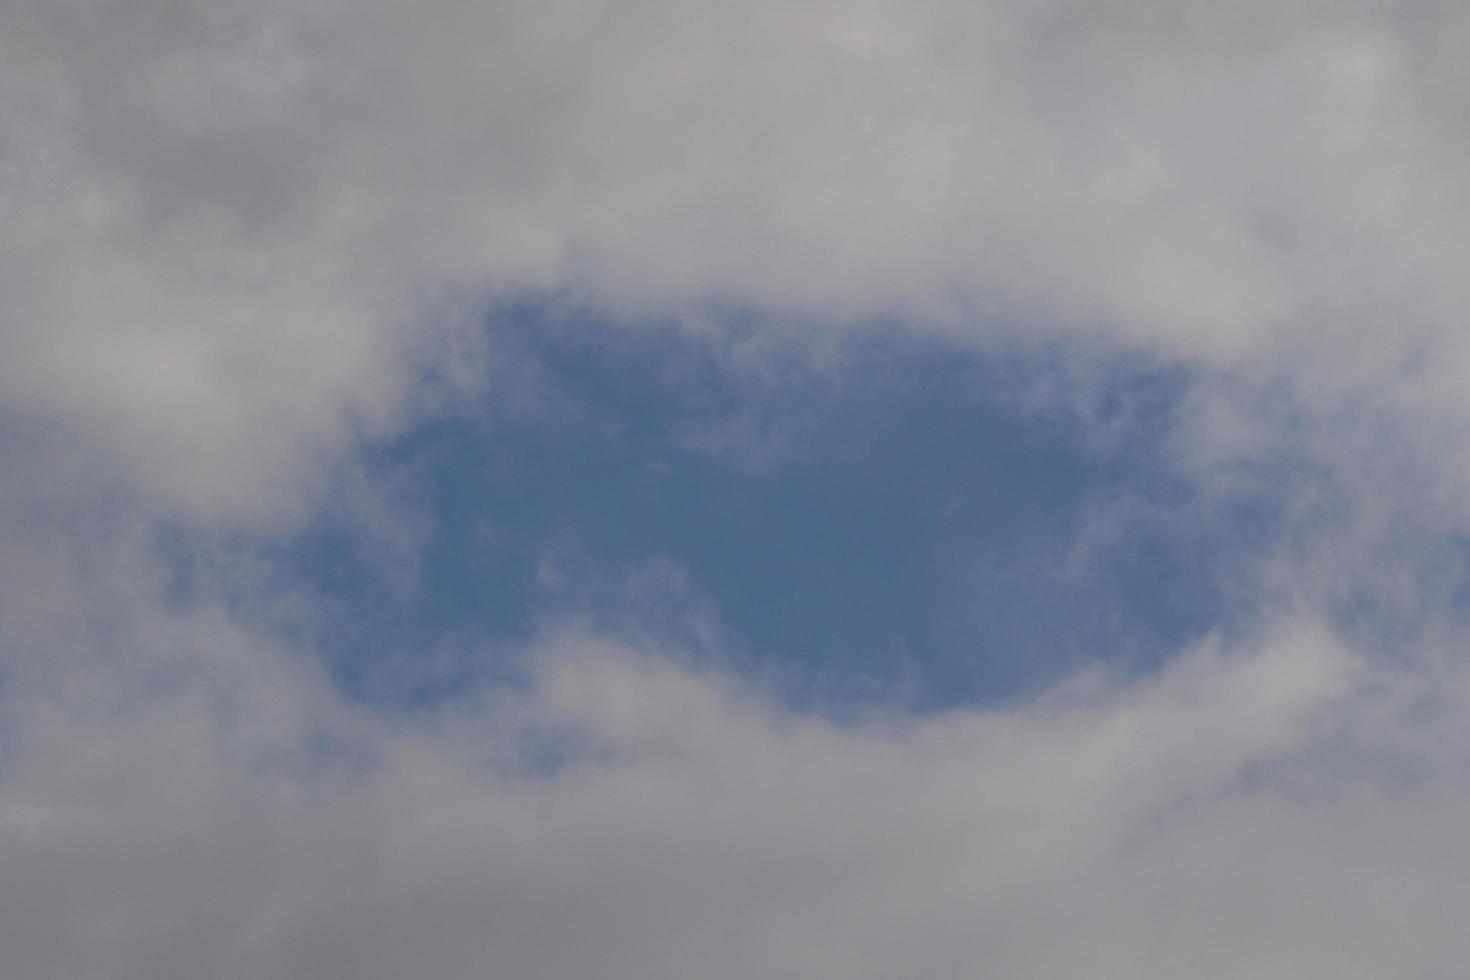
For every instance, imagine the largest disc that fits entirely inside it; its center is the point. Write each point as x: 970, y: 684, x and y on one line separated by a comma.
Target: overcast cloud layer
x: 240, y: 242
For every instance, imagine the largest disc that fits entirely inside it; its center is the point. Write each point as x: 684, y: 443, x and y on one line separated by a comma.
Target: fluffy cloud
x: 223, y: 219
x: 236, y: 239
x: 630, y: 817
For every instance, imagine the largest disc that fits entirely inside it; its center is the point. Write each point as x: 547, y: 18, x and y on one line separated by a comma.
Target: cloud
x: 230, y: 226
x: 238, y: 241
x: 692, y: 826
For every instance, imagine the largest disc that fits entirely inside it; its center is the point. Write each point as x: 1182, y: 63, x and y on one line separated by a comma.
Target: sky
x: 804, y: 489
x: 900, y: 525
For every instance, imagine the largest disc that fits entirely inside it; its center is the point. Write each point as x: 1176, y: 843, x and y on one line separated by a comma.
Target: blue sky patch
x: 885, y: 515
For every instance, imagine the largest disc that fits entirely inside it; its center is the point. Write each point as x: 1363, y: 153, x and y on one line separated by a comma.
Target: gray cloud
x: 692, y: 827
x: 234, y: 240
x: 223, y: 219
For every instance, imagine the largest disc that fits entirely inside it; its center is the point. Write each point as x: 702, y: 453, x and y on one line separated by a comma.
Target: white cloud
x: 221, y: 219
x: 234, y: 235
x: 694, y: 828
